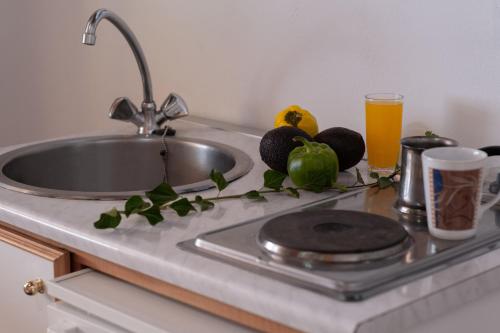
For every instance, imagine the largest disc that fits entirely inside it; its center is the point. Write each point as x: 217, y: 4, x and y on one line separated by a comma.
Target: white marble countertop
x: 152, y: 251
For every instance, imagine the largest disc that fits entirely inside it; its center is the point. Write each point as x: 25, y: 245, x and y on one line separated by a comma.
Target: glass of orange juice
x: 384, y: 116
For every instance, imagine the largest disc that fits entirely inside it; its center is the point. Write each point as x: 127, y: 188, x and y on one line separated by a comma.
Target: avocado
x: 348, y: 144
x: 276, y: 144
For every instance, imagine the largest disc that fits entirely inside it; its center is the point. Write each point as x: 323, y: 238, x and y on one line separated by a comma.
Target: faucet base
x: 161, y: 131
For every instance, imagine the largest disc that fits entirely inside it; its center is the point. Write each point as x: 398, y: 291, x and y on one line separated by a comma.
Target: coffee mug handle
x: 491, y: 162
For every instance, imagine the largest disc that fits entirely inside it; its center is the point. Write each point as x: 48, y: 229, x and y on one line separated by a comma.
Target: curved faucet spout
x: 148, y: 120
x: 89, y: 38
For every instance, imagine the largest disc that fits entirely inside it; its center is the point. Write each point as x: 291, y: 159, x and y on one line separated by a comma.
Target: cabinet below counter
x: 92, y: 300
x: 24, y: 262
x: 38, y: 274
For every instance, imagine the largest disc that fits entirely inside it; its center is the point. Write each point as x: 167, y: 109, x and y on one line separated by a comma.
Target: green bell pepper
x: 313, y: 166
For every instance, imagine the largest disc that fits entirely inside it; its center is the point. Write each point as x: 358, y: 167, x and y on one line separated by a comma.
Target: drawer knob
x: 33, y: 287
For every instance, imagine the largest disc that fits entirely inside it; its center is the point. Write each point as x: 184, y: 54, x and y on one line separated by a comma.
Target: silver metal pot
x: 411, y: 199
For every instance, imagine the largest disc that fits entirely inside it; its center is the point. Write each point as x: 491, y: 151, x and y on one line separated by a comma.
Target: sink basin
x: 116, y: 167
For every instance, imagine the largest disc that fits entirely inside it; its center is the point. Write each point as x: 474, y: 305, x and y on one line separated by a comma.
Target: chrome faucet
x: 148, y: 120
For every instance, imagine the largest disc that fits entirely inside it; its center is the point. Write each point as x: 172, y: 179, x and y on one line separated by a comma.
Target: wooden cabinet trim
x: 59, y: 257
x: 79, y: 260
x: 180, y: 294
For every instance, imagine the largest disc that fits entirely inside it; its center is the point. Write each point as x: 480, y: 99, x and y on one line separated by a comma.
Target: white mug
x: 453, y: 181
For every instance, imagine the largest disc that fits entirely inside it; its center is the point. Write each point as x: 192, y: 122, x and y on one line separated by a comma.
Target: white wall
x: 242, y: 61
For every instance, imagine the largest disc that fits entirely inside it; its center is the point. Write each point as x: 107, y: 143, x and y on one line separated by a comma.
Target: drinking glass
x: 384, y: 116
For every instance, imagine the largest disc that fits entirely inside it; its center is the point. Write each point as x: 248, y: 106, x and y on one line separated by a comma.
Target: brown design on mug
x: 455, y: 195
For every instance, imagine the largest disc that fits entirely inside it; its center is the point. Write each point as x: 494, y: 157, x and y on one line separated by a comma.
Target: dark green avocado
x: 277, y: 144
x: 348, y: 144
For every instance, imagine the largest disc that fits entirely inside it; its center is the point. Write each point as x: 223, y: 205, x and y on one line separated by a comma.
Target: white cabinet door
x: 131, y: 308
x: 23, y: 259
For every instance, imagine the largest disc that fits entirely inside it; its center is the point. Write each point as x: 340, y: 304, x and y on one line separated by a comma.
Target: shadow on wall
x: 468, y: 121
x: 417, y: 128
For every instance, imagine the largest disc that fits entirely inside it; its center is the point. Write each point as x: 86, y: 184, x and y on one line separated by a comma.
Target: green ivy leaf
x: 255, y: 195
x: 162, y: 194
x: 431, y: 134
x: 109, y: 219
x: 384, y: 182
x: 274, y: 179
x: 218, y: 178
x: 134, y: 205
x: 359, y: 178
x: 374, y: 175
x: 292, y: 192
x: 203, y: 203
x: 153, y: 214
x: 182, y: 206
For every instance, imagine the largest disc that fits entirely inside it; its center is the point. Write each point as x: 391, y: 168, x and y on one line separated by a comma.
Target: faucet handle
x: 123, y: 109
x: 174, y: 107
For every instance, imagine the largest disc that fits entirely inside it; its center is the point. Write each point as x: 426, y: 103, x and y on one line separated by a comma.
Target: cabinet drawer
x: 132, y: 308
x: 23, y: 259
x: 64, y: 318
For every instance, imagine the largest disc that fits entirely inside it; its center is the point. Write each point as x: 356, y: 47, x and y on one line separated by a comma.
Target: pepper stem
x: 293, y: 118
x: 305, y: 142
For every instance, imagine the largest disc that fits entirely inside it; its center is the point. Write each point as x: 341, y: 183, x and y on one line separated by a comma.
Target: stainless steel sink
x: 116, y: 167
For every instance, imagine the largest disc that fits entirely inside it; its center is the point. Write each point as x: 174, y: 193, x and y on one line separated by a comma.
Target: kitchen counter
x: 152, y: 251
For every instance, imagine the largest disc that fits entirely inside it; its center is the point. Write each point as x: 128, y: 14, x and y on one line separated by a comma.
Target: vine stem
x: 362, y: 185
x: 112, y: 218
x: 239, y: 196
x: 280, y: 190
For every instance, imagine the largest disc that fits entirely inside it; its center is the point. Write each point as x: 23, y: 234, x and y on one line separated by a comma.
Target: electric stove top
x: 350, y: 246
x: 332, y: 236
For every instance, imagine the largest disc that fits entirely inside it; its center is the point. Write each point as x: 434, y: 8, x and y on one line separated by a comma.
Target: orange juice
x: 384, y: 117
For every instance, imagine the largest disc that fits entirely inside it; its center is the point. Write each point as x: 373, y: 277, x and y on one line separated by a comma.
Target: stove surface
x: 332, y: 236
x: 421, y: 254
